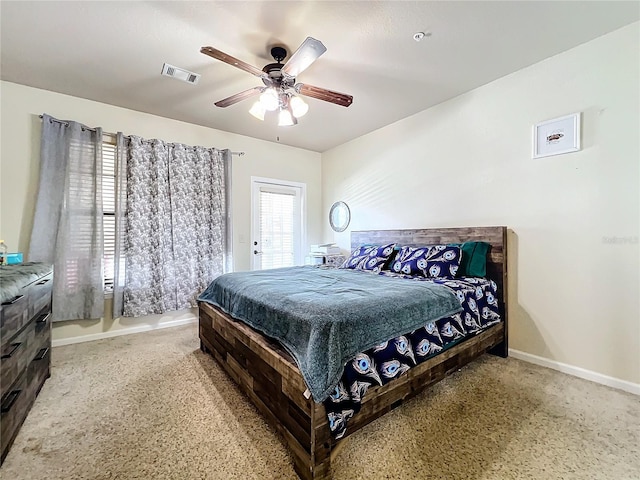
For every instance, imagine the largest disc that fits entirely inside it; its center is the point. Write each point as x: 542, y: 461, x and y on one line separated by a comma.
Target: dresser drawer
x: 42, y: 329
x: 17, y: 402
x: 40, y: 295
x: 14, y: 314
x: 15, y: 357
x: 14, y: 407
x: 38, y: 370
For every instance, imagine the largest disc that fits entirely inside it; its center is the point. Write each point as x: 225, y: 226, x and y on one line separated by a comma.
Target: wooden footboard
x: 270, y: 378
x: 273, y: 382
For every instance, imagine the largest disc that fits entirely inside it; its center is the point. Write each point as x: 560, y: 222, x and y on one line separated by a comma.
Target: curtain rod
x: 113, y: 134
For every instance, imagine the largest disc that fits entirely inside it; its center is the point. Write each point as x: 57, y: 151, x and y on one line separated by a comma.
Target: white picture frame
x: 556, y: 137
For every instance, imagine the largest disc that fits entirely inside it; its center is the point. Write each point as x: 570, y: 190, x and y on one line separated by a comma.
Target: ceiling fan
x: 280, y: 92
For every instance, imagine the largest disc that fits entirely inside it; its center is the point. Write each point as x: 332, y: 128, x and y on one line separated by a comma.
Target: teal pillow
x: 474, y: 259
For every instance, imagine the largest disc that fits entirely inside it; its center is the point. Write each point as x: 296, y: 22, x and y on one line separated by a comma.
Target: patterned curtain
x: 175, y: 237
x: 67, y: 228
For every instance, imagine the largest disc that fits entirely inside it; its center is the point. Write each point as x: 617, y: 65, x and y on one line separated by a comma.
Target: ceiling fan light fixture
x: 258, y: 110
x: 280, y: 91
x: 285, y: 119
x: 298, y: 106
x: 269, y: 99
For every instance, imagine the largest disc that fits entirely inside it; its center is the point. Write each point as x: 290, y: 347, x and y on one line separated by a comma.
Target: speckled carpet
x: 152, y: 406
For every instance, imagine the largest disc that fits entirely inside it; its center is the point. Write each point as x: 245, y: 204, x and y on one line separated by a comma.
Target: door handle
x: 256, y: 252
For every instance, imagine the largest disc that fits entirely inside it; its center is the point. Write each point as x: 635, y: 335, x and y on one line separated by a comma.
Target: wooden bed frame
x: 271, y: 379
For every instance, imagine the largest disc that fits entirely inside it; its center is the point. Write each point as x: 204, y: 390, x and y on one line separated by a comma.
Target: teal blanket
x: 324, y: 317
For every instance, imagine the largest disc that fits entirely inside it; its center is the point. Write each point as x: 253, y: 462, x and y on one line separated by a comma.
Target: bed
x: 270, y: 377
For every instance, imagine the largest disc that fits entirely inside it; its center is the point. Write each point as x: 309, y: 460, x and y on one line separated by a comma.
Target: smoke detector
x: 418, y: 36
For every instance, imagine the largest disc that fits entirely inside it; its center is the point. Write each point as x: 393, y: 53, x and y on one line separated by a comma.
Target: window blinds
x: 109, y: 208
x: 277, y: 217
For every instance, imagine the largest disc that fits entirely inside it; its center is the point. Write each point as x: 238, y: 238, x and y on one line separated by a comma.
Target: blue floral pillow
x: 371, y: 257
x: 431, y: 262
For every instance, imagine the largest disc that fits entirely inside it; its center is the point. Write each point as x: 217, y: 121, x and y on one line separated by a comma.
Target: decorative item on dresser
x: 25, y: 337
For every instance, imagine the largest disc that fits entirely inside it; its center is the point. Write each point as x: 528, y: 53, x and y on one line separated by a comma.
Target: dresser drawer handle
x: 43, y: 281
x: 13, y: 350
x: 41, y: 354
x: 43, y: 318
x: 10, y: 302
x: 11, y: 399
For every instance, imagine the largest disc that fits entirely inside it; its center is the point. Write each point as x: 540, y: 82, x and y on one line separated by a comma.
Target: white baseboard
x: 123, y: 331
x: 577, y: 372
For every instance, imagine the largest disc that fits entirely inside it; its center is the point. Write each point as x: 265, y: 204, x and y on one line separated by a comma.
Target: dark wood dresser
x: 25, y: 343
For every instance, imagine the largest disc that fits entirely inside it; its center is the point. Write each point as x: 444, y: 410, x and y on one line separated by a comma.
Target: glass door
x: 277, y: 230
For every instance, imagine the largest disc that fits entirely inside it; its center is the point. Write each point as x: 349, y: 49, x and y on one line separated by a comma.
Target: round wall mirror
x: 339, y: 216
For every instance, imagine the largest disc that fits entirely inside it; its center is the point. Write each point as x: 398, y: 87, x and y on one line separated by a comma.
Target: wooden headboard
x: 496, y: 236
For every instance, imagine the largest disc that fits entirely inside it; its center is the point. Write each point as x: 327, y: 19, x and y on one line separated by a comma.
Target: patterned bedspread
x: 392, y: 358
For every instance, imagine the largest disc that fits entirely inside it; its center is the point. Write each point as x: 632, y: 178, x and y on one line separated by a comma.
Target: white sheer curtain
x: 67, y: 230
x: 175, y: 235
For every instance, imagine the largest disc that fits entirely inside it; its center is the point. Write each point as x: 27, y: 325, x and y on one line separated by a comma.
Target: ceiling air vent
x: 180, y: 74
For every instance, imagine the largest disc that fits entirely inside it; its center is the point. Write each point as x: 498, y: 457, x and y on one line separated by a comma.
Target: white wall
x: 20, y: 107
x: 573, y: 294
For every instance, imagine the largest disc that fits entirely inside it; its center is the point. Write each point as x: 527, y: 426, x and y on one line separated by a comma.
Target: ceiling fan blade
x: 324, y: 94
x: 223, y: 57
x: 238, y: 97
x: 307, y: 53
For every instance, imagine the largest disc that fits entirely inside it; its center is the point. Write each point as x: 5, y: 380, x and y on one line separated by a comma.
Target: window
x: 109, y: 208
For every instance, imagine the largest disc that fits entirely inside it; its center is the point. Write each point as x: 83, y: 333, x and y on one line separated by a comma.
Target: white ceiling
x: 113, y: 52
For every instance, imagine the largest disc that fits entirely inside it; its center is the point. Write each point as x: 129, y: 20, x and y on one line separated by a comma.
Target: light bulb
x: 285, y: 119
x: 257, y: 110
x: 298, y: 106
x: 269, y: 99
